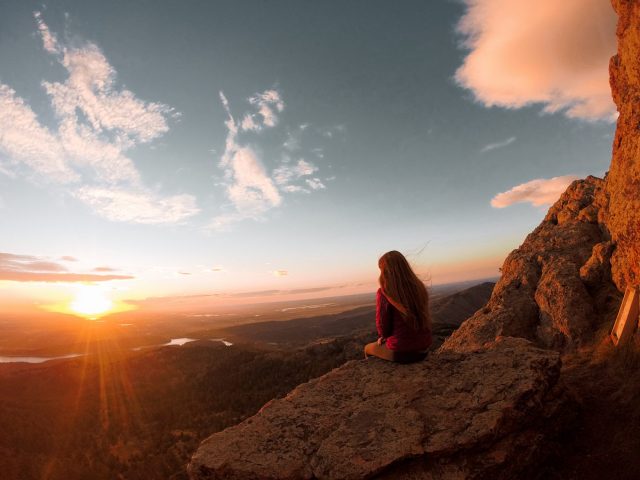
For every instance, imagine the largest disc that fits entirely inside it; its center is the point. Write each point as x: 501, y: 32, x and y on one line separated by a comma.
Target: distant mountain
x: 448, y: 312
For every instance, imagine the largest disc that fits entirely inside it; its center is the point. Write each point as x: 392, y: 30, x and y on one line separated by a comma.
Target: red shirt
x: 401, y: 337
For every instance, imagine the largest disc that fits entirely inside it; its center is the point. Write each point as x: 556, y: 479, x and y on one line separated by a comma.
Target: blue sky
x: 350, y: 128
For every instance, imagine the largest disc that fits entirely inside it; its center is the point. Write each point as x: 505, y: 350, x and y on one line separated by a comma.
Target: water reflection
x: 14, y: 359
x: 174, y: 341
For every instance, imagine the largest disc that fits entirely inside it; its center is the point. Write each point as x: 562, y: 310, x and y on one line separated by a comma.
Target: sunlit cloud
x: 68, y: 258
x: 250, y: 187
x: 268, y: 103
x: 280, y: 273
x: 538, y: 192
x: 49, y: 40
x: 497, y: 145
x: 545, y: 52
x: 31, y: 268
x: 97, y: 123
x: 24, y: 142
x: 137, y: 206
x: 105, y: 269
x: 287, y: 173
x: 315, y: 184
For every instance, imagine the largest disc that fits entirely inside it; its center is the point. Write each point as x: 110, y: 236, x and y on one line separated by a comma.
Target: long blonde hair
x: 404, y: 290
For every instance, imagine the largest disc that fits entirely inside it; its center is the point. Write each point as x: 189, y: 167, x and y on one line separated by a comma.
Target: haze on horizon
x: 234, y: 152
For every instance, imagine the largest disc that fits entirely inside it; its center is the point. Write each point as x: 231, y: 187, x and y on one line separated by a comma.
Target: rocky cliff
x: 490, y: 401
x: 622, y: 186
x: 556, y: 289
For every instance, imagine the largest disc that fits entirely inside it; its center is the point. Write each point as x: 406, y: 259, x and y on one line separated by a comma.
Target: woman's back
x: 399, y: 335
x: 402, y: 312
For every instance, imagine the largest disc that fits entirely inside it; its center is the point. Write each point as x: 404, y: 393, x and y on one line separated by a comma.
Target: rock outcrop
x: 623, y: 181
x: 556, y: 288
x: 457, y: 415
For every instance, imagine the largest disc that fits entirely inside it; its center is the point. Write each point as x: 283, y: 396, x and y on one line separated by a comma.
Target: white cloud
x: 285, y: 174
x: 294, y: 189
x: 269, y: 104
x: 496, y: 145
x: 49, y: 40
x: 96, y: 124
x: 249, y: 124
x: 251, y: 189
x: 24, y: 141
x: 538, y: 192
x: 248, y: 186
x: 141, y: 206
x: 315, y: 184
x: 547, y: 52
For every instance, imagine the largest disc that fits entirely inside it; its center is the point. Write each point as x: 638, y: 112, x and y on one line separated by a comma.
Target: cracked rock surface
x: 360, y: 419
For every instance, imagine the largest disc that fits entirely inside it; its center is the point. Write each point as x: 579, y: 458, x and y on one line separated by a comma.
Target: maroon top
x: 401, y: 336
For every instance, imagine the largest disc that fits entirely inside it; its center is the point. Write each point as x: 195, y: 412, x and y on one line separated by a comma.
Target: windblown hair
x: 404, y: 290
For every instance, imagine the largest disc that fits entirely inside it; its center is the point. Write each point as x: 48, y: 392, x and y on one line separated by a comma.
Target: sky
x: 235, y: 151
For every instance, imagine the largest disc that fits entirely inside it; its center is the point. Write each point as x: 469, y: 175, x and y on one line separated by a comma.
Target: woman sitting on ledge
x: 402, y: 313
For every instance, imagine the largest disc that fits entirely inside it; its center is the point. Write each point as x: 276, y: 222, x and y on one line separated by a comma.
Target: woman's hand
x: 381, y: 340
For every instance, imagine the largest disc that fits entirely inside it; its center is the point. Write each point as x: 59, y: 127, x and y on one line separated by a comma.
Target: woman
x: 402, y: 313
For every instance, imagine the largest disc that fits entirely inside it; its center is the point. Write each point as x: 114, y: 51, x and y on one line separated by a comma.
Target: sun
x: 91, y: 302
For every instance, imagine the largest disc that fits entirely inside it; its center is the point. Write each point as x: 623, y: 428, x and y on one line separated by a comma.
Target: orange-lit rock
x: 623, y: 181
x: 360, y: 419
x: 556, y: 287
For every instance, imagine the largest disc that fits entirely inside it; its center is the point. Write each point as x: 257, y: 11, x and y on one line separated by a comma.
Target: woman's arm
x: 383, y: 315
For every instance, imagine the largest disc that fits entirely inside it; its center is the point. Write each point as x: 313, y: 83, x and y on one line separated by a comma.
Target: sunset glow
x: 189, y: 179
x: 91, y: 302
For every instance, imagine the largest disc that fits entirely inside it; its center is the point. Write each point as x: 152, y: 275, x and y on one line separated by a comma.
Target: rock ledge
x: 369, y: 415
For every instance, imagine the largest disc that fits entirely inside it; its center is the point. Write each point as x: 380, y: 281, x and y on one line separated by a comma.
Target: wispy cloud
x: 25, y: 142
x: 31, y: 268
x: 280, y: 273
x: 496, y: 145
x: 142, y: 206
x: 97, y: 123
x: 105, y: 269
x: 250, y: 187
x: 547, y: 52
x: 287, y: 173
x: 538, y: 192
x: 315, y: 184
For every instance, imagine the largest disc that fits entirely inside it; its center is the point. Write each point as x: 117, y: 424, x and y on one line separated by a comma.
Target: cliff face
x: 555, y: 289
x: 623, y: 182
x: 487, y: 403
